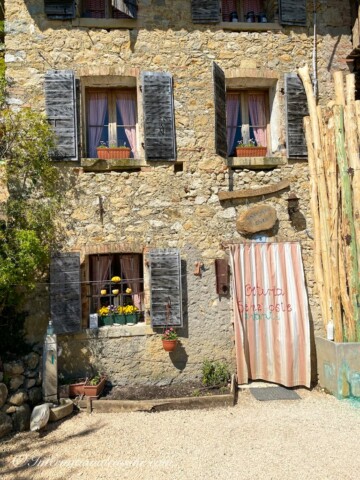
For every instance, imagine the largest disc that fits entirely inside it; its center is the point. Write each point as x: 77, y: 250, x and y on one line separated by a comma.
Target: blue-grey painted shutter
x: 293, y: 12
x: 296, y: 110
x: 159, y: 124
x: 129, y: 7
x: 60, y: 101
x: 165, y: 287
x: 65, y: 292
x: 60, y: 9
x: 220, y: 110
x: 205, y: 11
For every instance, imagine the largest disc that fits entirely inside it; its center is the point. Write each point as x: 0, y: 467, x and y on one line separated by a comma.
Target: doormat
x: 274, y: 393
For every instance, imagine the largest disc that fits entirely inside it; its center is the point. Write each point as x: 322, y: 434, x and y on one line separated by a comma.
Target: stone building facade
x: 171, y: 201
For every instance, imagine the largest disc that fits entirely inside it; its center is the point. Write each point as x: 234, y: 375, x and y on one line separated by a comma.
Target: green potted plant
x: 169, y: 339
x: 250, y: 149
x: 131, y: 314
x: 109, y: 152
x: 106, y: 315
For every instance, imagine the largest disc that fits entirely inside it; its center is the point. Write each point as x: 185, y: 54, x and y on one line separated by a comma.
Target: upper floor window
x: 109, y: 8
x: 288, y: 12
x: 111, y: 119
x: 247, y: 118
x: 245, y: 11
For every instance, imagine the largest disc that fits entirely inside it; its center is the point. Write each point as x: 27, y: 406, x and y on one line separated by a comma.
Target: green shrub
x: 215, y: 374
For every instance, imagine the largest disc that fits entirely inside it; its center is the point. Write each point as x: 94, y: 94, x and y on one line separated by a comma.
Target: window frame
x: 90, y: 306
x: 244, y: 109
x: 110, y: 82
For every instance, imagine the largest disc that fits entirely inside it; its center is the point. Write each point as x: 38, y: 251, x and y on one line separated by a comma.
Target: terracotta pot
x: 76, y: 389
x: 95, y: 390
x: 113, y: 153
x: 251, y: 151
x: 169, y: 345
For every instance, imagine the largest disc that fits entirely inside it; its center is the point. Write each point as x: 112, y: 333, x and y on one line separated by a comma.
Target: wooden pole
x: 347, y: 227
x: 339, y: 88
x: 350, y: 88
x: 324, y: 214
x: 318, y: 269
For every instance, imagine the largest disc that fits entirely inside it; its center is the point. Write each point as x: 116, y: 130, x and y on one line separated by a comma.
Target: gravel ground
x: 313, y: 438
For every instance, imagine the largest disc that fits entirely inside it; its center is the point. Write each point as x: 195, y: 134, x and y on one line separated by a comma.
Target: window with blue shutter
x: 165, y: 288
x: 60, y: 102
x: 65, y: 292
x: 159, y: 122
x: 292, y: 12
x: 296, y: 110
x: 60, y: 9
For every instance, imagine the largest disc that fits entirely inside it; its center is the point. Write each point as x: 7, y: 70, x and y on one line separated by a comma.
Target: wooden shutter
x: 60, y: 10
x: 60, y: 101
x: 165, y: 286
x: 205, y: 11
x: 220, y: 110
x: 129, y: 7
x: 293, y: 12
x: 65, y: 292
x: 296, y: 110
x: 159, y: 125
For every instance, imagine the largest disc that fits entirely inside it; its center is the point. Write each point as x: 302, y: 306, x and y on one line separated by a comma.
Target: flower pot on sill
x: 119, y: 319
x: 105, y: 320
x: 115, y: 153
x: 169, y: 345
x: 251, y: 151
x: 95, y: 390
x: 131, y: 318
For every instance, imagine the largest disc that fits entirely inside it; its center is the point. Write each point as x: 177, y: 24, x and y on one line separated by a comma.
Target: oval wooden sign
x: 256, y: 219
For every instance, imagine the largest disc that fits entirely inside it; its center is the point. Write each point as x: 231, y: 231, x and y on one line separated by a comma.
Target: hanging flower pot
x: 169, y: 345
x: 169, y: 339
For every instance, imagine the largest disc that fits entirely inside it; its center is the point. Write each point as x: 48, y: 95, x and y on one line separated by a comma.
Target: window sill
x: 99, y: 165
x: 116, y: 331
x: 124, y: 164
x: 256, y: 162
x: 105, y: 23
x: 249, y: 27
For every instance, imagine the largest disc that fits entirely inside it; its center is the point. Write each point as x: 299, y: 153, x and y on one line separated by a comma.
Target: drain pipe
x: 315, y: 79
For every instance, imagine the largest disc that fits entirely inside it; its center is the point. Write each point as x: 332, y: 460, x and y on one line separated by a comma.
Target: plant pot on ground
x: 95, y: 386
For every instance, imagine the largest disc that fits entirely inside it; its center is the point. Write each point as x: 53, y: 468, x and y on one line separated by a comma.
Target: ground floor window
x: 116, y: 280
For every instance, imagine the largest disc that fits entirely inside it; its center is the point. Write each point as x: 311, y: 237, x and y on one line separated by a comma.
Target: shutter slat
x: 159, y: 126
x: 220, y: 110
x: 205, y: 11
x: 127, y: 7
x: 165, y: 278
x: 296, y: 110
x: 60, y: 101
x: 65, y: 293
x: 293, y: 12
x: 60, y: 10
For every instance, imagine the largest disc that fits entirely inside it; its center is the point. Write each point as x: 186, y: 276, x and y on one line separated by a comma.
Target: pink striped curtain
x: 257, y: 111
x: 271, y: 318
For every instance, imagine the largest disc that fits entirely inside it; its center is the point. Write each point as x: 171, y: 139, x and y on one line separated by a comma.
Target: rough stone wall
x: 158, y: 207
